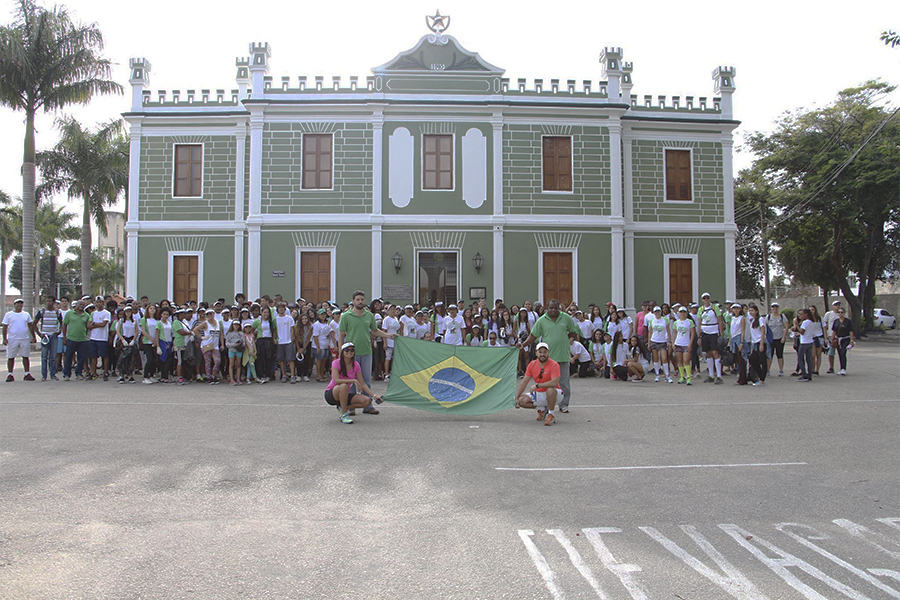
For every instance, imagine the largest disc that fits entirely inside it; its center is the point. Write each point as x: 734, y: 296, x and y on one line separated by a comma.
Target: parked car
x: 883, y: 317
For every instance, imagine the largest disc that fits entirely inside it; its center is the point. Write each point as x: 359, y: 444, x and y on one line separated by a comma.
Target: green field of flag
x: 460, y: 380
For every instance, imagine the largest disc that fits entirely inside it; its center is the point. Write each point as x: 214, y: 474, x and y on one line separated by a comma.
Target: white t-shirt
x: 817, y: 329
x: 100, y: 334
x: 709, y: 320
x: 683, y: 331
x: 265, y: 329
x: 284, y: 327
x: 807, y: 336
x: 210, y: 338
x: 129, y: 328
x: 322, y: 333
x: 409, y: 326
x: 18, y: 326
x: 390, y: 325
x: 453, y: 330
x: 737, y: 327
x: 335, y: 328
x: 422, y: 329
x: 576, y: 349
x: 587, y: 329
x: 658, y: 332
x: 756, y: 333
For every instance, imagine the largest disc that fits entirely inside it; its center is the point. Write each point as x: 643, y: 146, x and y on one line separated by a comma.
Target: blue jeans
x: 365, y: 365
x: 74, y: 348
x: 48, y: 355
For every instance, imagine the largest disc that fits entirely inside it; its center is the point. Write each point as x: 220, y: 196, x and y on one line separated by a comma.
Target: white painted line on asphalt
x: 578, y: 562
x: 541, y: 563
x: 651, y: 467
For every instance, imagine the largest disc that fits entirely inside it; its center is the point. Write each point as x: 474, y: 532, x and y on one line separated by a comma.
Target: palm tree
x: 10, y: 239
x: 91, y: 167
x: 53, y: 226
x: 108, y: 272
x: 47, y: 62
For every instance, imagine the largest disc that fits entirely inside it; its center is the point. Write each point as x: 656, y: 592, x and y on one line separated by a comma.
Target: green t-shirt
x: 358, y: 330
x: 556, y: 334
x: 177, y: 328
x: 76, y: 326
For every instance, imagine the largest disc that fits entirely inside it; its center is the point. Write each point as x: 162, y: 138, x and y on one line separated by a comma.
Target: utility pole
x: 765, y: 248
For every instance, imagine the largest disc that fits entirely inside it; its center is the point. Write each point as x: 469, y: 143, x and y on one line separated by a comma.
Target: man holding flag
x: 357, y: 326
x: 553, y: 328
x: 545, y: 373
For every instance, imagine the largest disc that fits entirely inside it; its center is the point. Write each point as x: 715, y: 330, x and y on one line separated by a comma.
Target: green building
x: 436, y: 178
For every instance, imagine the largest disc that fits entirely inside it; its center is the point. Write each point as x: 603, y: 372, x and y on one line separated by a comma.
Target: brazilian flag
x: 461, y: 380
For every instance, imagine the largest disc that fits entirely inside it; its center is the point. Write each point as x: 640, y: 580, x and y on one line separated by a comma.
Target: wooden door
x: 557, y: 270
x: 186, y: 277
x: 681, y: 281
x: 315, y: 276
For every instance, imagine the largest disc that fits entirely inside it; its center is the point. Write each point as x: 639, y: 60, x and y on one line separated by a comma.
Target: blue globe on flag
x: 451, y: 385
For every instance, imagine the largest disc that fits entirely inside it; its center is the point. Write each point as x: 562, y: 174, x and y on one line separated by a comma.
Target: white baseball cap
x: 542, y: 345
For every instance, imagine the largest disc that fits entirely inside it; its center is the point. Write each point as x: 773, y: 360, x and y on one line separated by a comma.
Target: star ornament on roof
x: 438, y: 24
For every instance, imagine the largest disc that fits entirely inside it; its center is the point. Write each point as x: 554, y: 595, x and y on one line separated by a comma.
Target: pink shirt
x: 639, y: 322
x: 351, y: 375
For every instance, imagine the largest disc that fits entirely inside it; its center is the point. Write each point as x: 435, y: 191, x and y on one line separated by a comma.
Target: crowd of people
x: 270, y: 339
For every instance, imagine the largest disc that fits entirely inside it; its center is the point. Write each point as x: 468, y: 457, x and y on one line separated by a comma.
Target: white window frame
x: 170, y: 274
x: 540, y: 270
x: 459, y: 273
x: 202, y: 169
x: 572, y: 157
x: 665, y: 199
x: 422, y: 163
x: 303, y: 162
x: 695, y: 276
x: 299, y: 284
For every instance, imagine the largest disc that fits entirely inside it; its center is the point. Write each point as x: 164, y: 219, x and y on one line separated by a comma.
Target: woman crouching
x: 346, y: 372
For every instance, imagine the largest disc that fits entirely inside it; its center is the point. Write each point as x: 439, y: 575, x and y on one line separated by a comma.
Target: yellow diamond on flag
x: 451, y: 382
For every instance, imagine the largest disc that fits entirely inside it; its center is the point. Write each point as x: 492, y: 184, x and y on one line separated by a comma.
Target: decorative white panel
x: 437, y: 240
x: 679, y: 245
x: 474, y: 168
x: 556, y: 241
x: 316, y: 239
x: 400, y: 167
x: 186, y: 244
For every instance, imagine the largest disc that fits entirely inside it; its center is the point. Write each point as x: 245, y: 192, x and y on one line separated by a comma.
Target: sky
x: 788, y: 54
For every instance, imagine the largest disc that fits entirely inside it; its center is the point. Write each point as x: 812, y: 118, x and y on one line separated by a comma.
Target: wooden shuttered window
x: 188, y: 171
x: 557, y: 152
x: 678, y: 175
x: 317, y: 161
x: 437, y: 167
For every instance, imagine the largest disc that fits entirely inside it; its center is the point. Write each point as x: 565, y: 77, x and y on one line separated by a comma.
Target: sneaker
x: 306, y: 378
x: 105, y: 377
x: 668, y: 379
x: 842, y: 372
x: 54, y: 378
x: 681, y: 380
x: 387, y: 377
x: 132, y: 380
x: 28, y: 377
x: 758, y: 383
x: 540, y: 415
x: 830, y: 371
x: 284, y: 379
x: 147, y: 381
x: 719, y: 381
x: 781, y: 373
x: 181, y: 381
x: 656, y: 379
x: 213, y: 382
x: 43, y: 379
x: 687, y: 381
x: 79, y: 378
x: 564, y: 409
x: 370, y: 410
x: 550, y: 420
x: 345, y: 419
x: 293, y: 379
x: 10, y: 378
x: 120, y: 380
x: 65, y: 378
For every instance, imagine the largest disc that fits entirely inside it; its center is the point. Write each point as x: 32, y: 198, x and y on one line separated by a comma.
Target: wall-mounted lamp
x: 478, y: 259
x: 397, y: 260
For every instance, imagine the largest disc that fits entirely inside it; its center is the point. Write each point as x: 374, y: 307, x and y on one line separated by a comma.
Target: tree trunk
x: 3, y: 281
x: 852, y: 299
x: 52, y: 286
x: 28, y: 178
x: 86, y: 248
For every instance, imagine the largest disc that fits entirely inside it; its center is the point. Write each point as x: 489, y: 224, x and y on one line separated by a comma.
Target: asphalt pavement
x: 648, y: 490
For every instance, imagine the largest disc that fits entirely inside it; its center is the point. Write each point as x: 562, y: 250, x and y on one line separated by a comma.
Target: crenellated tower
x: 139, y: 80
x: 724, y: 85
x: 611, y: 70
x: 260, y: 53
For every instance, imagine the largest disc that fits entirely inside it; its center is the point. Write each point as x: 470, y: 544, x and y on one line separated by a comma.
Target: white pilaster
x: 253, y: 259
x: 256, y: 133
x: 497, y: 124
x: 728, y: 177
x: 377, y: 163
x: 629, y: 272
x: 376, y: 261
x: 617, y: 259
x: 498, y: 261
x: 131, y: 264
x: 730, y: 266
x: 238, y: 261
x: 615, y: 167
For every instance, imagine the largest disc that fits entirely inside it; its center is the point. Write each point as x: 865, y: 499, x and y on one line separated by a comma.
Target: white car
x: 883, y: 317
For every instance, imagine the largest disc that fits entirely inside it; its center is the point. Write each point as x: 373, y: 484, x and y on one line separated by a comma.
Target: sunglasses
x: 541, y: 374
x: 350, y: 350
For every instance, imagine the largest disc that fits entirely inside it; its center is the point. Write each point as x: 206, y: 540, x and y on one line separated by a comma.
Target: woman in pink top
x: 345, y: 371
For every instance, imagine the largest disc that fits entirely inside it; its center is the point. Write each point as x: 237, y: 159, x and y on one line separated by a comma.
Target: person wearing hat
x: 452, y: 327
x: 553, y: 327
x: 358, y: 326
x: 711, y: 327
x: 422, y: 325
x: 437, y: 320
x: 538, y: 388
x: 660, y: 336
x: 285, y: 349
x: 390, y: 324
x: 475, y: 338
x: 18, y: 336
x: 408, y: 322
x: 323, y: 340
x: 182, y: 343
x: 685, y: 334
x: 98, y: 345
x: 828, y: 323
x: 163, y: 344
x: 127, y: 339
x: 212, y: 339
x: 346, y: 380
x: 778, y: 325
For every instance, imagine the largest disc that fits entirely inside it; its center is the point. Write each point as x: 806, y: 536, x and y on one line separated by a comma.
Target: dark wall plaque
x: 397, y: 292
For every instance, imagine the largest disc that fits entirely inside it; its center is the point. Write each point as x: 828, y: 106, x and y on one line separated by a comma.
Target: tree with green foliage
x: 10, y: 239
x: 890, y: 38
x: 47, y: 62
x: 837, y: 170
x: 107, y: 272
x: 752, y: 205
x: 52, y: 226
x: 90, y: 167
